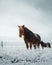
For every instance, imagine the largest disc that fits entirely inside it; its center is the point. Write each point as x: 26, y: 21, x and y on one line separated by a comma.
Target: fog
x: 34, y: 14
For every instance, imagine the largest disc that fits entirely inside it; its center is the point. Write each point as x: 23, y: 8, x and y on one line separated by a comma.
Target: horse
x: 43, y: 44
x: 30, y: 38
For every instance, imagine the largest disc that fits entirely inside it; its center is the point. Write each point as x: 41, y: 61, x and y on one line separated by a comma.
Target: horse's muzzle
x: 20, y: 36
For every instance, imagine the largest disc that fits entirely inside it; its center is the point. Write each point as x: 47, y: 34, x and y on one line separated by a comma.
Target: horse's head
x: 21, y: 30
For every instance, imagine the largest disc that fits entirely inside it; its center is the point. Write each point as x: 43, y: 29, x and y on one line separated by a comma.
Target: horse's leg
x: 34, y: 46
x: 26, y: 44
x: 38, y: 45
x: 42, y: 47
x: 30, y: 45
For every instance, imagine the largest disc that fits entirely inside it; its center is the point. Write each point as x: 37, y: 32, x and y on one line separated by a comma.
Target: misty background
x: 34, y: 14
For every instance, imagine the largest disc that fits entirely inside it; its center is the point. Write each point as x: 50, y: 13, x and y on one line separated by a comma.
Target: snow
x: 19, y: 55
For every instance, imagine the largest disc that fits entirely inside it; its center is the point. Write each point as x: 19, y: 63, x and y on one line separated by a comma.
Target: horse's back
x: 37, y: 36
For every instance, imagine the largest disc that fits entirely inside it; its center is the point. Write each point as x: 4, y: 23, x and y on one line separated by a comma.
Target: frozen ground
x: 19, y: 55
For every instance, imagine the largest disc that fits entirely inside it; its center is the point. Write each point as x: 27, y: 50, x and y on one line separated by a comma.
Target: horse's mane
x: 30, y: 33
x: 27, y: 30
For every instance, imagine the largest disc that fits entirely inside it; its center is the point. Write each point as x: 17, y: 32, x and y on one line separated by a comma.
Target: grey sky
x: 44, y: 5
x: 35, y: 14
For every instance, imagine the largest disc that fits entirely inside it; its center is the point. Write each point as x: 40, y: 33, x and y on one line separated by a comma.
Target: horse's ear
x: 18, y: 26
x: 23, y: 25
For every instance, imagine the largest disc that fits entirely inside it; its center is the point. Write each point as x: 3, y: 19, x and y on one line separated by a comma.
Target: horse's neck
x: 26, y: 33
x: 27, y: 30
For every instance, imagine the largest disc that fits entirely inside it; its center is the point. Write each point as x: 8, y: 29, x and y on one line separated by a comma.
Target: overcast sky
x: 34, y: 14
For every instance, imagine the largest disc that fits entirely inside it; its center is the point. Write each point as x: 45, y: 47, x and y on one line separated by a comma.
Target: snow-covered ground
x: 19, y: 55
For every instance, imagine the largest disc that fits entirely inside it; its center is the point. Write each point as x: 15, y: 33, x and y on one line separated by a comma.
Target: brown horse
x: 43, y: 44
x: 29, y: 37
